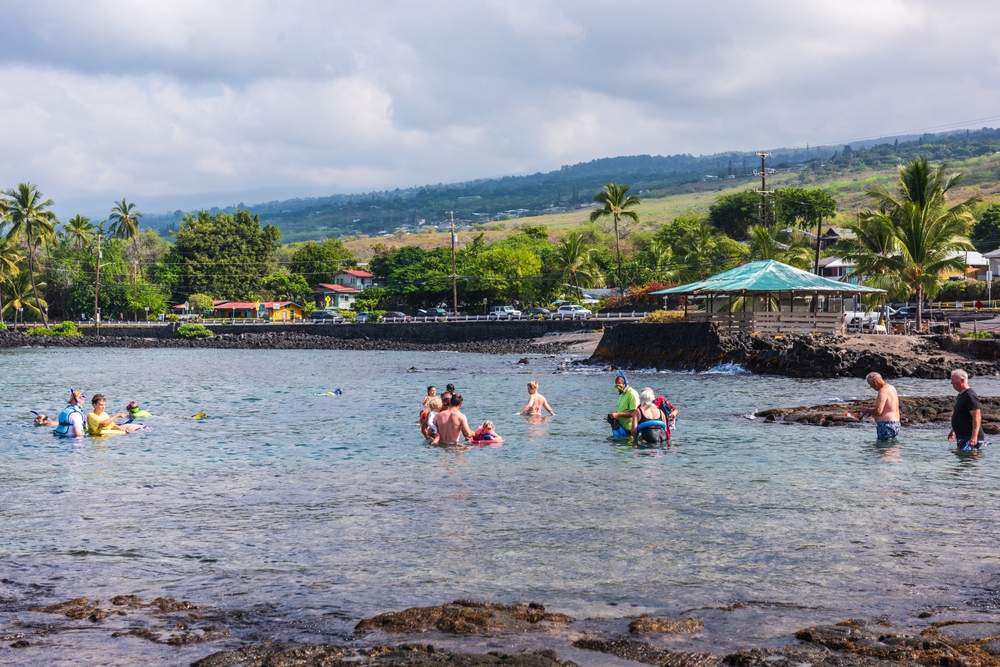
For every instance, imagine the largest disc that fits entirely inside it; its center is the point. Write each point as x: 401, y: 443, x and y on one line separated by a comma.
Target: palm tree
x: 616, y: 201
x: 79, y: 230
x: 28, y: 217
x: 576, y: 261
x: 125, y: 224
x: 701, y: 251
x: 764, y: 244
x: 20, y: 290
x: 921, y: 235
x: 9, y: 259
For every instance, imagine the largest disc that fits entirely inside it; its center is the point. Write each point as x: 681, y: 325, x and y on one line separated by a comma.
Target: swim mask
x: 132, y: 407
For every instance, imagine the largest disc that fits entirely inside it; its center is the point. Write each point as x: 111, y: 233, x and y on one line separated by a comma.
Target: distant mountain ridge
x: 483, y: 200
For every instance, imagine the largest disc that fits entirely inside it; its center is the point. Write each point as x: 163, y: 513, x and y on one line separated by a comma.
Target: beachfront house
x: 278, y: 311
x: 334, y: 296
x: 355, y: 278
x: 836, y: 268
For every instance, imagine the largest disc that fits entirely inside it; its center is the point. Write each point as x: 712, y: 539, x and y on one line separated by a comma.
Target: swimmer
x: 535, y: 401
x: 486, y: 433
x: 668, y: 409
x: 135, y: 412
x: 451, y: 424
x: 98, y: 421
x: 649, y: 421
x: 886, y: 410
x: 427, y: 426
x: 431, y: 393
x: 42, y: 420
x: 628, y: 401
x: 71, y: 417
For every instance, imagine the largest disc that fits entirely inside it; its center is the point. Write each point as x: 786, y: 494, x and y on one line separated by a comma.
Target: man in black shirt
x: 966, y: 418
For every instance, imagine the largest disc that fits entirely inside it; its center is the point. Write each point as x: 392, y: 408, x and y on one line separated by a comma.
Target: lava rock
x: 465, y: 617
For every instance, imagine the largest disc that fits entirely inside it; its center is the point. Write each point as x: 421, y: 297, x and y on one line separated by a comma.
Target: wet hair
x: 532, y: 386
x: 456, y: 400
x: 647, y: 397
x: 435, y: 404
x: 96, y: 399
x: 487, y: 425
x: 450, y: 388
x: 962, y: 375
x: 430, y: 387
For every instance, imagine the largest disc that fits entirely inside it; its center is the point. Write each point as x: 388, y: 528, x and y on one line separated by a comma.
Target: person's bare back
x: 536, y: 402
x: 452, y: 424
x: 886, y: 407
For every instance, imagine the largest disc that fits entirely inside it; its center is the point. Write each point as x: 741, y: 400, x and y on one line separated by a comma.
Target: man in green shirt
x: 628, y: 400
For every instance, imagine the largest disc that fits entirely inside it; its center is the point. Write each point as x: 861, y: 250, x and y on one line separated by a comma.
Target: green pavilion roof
x: 767, y: 276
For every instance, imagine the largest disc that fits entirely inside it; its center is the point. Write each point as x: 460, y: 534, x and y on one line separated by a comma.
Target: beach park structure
x: 279, y: 311
x: 769, y: 297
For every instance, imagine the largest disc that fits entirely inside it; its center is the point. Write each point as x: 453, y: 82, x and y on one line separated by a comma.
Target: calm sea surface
x: 298, y: 513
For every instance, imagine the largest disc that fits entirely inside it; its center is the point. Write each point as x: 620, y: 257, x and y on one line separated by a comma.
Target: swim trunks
x: 964, y: 446
x: 887, y: 430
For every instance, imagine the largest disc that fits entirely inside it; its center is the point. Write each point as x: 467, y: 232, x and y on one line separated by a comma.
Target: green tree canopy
x: 319, y: 262
x: 986, y: 231
x: 801, y: 207
x: 733, y: 214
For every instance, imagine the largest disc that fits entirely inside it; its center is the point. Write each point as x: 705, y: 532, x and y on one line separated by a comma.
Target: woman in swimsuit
x: 649, y: 423
x: 535, y: 401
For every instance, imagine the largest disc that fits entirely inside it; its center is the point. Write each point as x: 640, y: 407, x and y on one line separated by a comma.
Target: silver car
x: 574, y: 311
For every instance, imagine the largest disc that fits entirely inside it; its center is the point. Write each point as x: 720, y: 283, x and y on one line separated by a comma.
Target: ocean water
x: 292, y: 514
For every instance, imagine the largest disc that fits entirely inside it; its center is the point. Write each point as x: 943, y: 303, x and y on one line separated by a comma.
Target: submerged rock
x: 317, y: 655
x: 646, y: 624
x: 935, y: 410
x: 465, y: 617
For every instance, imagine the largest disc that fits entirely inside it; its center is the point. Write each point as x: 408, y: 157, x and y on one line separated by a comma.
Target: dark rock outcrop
x: 629, y: 649
x: 465, y: 617
x: 646, y: 624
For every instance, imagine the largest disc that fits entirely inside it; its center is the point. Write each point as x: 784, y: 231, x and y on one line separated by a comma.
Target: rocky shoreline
x: 289, y: 341
x: 700, y: 346
x: 850, y: 643
x: 913, y: 411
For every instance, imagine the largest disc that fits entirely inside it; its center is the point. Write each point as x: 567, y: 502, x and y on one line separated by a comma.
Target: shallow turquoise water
x: 308, y: 512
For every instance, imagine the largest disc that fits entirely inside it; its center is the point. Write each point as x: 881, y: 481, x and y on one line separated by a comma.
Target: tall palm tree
x: 124, y: 221
x: 29, y: 218
x: 927, y: 236
x: 9, y: 259
x: 576, y: 261
x: 80, y: 231
x: 616, y: 203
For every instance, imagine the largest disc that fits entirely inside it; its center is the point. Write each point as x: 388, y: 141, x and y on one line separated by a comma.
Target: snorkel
x: 624, y: 385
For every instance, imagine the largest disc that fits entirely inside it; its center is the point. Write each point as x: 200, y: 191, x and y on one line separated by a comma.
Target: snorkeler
x: 42, y: 420
x: 71, y: 418
x: 628, y: 401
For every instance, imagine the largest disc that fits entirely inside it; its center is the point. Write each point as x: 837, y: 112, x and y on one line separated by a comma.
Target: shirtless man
x: 451, y: 423
x: 886, y: 410
x: 535, y: 401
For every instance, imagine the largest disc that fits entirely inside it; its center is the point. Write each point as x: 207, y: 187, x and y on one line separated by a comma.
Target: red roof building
x: 334, y: 297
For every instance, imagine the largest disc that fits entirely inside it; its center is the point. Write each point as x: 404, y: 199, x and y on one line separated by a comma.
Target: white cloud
x: 159, y: 102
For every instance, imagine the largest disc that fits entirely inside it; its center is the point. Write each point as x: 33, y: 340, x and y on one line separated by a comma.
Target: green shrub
x: 190, y: 331
x: 3, y: 326
x: 65, y: 329
x: 172, y: 317
x: 979, y: 334
x: 39, y: 331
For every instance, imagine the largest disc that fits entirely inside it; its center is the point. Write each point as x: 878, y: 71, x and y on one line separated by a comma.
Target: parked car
x: 535, y: 312
x: 433, y: 312
x: 504, y: 312
x: 573, y: 310
x: 910, y: 313
x: 363, y: 317
x: 397, y: 315
x: 327, y: 317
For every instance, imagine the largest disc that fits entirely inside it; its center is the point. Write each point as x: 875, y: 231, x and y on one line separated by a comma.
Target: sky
x: 200, y: 103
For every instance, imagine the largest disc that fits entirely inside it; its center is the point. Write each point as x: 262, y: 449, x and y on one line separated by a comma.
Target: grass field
x: 982, y: 176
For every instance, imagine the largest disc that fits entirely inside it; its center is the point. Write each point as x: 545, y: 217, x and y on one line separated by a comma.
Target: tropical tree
x: 698, y: 249
x: 765, y: 244
x: 29, y: 218
x: 20, y: 291
x: 925, y: 236
x: 616, y: 203
x: 124, y: 221
x: 574, y: 259
x: 9, y: 260
x: 79, y: 231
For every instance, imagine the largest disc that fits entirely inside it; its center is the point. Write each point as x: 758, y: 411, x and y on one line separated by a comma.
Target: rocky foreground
x: 850, y: 643
x: 913, y: 411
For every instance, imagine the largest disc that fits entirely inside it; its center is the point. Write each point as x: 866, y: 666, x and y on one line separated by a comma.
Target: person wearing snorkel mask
x: 628, y: 401
x: 70, y: 424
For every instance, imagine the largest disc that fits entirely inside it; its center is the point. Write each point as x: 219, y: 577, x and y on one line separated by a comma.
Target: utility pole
x: 97, y: 283
x: 454, y: 274
x: 763, y: 192
x: 819, y: 230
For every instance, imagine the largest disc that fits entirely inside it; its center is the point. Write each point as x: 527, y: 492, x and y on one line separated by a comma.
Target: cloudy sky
x: 193, y: 103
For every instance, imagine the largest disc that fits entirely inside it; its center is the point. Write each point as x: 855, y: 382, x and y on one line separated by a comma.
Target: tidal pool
x: 294, y: 513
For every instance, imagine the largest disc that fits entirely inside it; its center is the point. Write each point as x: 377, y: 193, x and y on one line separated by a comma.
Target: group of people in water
x: 642, y: 416
x: 71, y: 422
x: 966, y: 416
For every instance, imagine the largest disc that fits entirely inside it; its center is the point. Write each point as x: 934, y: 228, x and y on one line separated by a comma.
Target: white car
x: 574, y: 311
x: 504, y: 312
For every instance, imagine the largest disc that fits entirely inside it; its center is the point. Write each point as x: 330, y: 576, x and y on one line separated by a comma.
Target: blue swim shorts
x: 887, y: 430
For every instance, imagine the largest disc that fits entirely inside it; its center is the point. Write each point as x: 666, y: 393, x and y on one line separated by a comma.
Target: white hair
x: 962, y: 375
x: 647, y: 397
x: 871, y: 377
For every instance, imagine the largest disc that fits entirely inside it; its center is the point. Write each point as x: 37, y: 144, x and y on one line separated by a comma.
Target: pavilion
x: 769, y: 297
